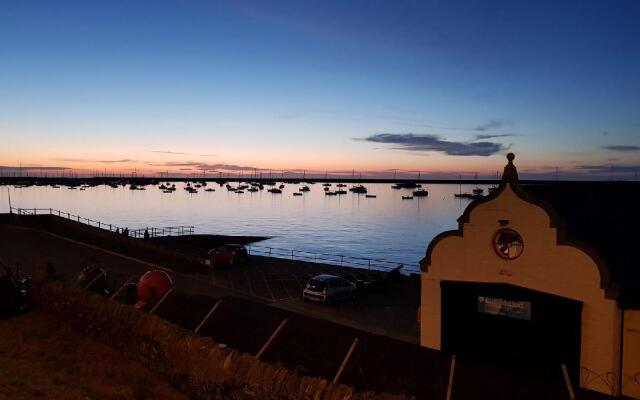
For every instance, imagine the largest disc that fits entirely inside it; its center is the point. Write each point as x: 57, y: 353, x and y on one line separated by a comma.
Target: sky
x: 440, y: 88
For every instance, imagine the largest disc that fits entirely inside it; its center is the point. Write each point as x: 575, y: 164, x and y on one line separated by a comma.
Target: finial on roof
x: 510, y: 173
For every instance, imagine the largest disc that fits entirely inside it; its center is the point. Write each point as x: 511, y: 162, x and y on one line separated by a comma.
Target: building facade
x: 509, y: 285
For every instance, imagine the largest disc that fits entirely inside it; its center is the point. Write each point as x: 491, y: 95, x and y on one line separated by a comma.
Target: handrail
x: 136, y: 233
x: 332, y: 259
x: 277, y: 252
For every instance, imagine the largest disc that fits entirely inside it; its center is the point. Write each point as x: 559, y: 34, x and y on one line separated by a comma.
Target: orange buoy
x: 152, y: 286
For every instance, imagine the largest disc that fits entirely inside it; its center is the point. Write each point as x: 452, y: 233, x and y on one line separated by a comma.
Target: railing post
x: 292, y: 254
x: 269, y: 251
x: 369, y: 263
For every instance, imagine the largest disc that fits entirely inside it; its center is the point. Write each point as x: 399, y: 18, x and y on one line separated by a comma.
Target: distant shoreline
x: 68, y: 181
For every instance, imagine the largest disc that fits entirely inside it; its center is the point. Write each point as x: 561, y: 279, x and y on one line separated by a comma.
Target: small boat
x: 274, y: 190
x: 297, y: 194
x: 305, y: 188
x: 326, y: 189
x: 407, y: 197
x: 358, y: 189
x: 340, y: 191
x: 210, y: 190
x: 341, y: 185
x: 420, y: 193
x: 55, y: 186
x: 330, y: 193
x: 406, y: 185
x: 326, y: 184
x: 371, y: 196
x: 239, y: 191
x: 253, y: 189
x: 72, y: 188
x: 281, y: 186
x: 167, y: 191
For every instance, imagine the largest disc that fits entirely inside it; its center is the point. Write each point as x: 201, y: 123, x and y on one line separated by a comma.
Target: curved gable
x: 510, y: 187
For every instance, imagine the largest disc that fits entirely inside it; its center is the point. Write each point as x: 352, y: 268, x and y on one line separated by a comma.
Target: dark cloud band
x: 428, y: 143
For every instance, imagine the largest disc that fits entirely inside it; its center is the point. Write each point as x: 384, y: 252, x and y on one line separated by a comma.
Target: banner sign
x: 507, y: 308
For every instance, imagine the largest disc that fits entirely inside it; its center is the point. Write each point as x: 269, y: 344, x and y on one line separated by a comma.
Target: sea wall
x: 197, y: 365
x: 137, y: 248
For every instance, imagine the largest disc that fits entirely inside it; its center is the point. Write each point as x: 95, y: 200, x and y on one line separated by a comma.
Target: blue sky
x: 442, y: 87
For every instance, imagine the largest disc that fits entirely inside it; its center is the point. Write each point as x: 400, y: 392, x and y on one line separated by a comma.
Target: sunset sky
x: 443, y: 87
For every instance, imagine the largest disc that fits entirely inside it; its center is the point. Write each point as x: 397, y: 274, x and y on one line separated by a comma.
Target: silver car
x: 328, y: 288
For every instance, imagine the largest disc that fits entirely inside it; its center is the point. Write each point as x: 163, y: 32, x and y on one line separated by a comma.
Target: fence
x: 137, y: 233
x: 332, y: 259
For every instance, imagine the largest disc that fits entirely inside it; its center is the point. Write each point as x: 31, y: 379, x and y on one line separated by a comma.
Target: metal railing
x: 180, y: 230
x: 332, y: 259
x: 136, y: 233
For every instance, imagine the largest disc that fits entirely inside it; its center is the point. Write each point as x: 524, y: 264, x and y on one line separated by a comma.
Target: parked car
x: 328, y: 289
x: 228, y: 254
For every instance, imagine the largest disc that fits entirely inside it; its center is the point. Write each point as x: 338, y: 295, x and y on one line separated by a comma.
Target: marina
x: 339, y: 222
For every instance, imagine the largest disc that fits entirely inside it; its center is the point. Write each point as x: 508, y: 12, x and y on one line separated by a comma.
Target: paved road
x: 266, y: 280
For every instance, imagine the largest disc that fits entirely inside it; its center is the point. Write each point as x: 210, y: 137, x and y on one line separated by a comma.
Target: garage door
x: 513, y: 326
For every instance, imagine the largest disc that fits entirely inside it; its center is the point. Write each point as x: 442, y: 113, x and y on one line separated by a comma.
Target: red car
x: 228, y: 254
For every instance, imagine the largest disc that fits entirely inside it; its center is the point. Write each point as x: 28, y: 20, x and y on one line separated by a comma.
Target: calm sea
x: 386, y: 227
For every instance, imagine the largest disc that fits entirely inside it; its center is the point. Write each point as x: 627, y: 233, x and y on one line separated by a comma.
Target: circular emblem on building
x: 508, y: 244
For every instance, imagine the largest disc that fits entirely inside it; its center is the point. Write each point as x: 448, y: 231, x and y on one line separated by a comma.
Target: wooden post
x: 155, y: 307
x: 567, y: 382
x: 117, y: 292
x: 271, y: 338
x: 88, y: 285
x: 206, y: 317
x: 345, y: 361
x: 451, y: 371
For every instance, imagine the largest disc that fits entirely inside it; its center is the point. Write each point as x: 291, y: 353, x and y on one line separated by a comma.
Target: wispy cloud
x: 6, y: 168
x: 493, y: 125
x: 429, y: 143
x: 606, y: 168
x: 490, y: 125
x: 621, y: 147
x: 203, y: 166
x: 181, y: 153
x: 124, y: 160
x: 489, y: 136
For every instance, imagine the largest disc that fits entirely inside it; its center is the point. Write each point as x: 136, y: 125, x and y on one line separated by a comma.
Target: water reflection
x: 385, y: 227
